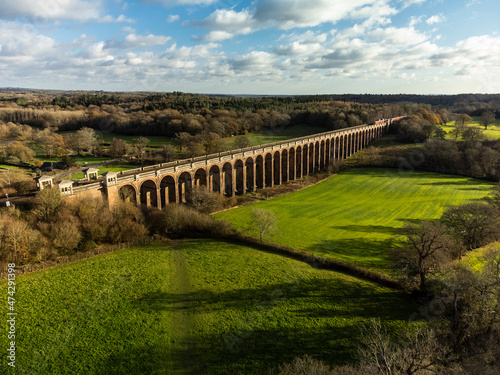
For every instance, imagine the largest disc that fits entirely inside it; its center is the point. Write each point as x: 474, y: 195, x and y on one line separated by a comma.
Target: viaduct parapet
x: 231, y: 173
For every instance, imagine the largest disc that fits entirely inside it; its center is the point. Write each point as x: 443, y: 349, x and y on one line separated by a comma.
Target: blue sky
x: 252, y: 47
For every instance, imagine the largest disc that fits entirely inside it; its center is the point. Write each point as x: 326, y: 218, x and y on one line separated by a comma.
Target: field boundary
x: 317, y: 262
x: 65, y: 259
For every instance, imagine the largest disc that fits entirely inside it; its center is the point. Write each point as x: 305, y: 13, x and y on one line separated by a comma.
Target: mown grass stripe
x: 353, y: 216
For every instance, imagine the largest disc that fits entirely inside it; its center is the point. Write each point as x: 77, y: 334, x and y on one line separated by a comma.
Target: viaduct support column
x: 272, y: 170
x: 158, y: 198
x: 323, y: 155
x: 233, y: 181
x: 177, y: 198
x: 333, y: 149
x: 166, y: 191
x: 305, y: 162
x: 254, y: 175
x: 244, y: 179
x: 312, y: 161
x: 219, y: 180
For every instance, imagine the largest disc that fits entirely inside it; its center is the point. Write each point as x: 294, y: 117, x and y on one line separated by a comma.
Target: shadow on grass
x: 464, y: 181
x: 276, y: 323
x: 368, y: 229
x: 366, y: 252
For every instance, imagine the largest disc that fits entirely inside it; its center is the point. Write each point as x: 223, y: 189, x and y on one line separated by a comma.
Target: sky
x: 261, y: 47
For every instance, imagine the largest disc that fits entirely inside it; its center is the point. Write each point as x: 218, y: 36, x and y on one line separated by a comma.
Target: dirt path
x: 184, y: 360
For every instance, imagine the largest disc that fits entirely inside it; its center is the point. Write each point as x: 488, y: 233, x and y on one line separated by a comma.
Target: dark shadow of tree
x: 364, y: 252
x: 273, y: 324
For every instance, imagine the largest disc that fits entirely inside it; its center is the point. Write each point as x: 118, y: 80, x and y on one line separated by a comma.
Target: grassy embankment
x: 354, y: 216
x: 201, y: 307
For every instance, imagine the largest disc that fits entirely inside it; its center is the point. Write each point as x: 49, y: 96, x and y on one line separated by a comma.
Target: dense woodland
x: 198, y: 123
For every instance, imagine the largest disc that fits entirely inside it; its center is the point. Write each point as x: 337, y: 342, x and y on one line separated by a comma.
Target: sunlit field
x: 194, y: 307
x: 493, y: 132
x: 355, y: 216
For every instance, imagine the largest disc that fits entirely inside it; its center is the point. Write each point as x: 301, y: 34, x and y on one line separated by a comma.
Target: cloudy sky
x: 252, y: 47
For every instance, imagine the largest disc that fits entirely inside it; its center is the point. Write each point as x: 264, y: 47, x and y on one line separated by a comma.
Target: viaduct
x: 230, y: 173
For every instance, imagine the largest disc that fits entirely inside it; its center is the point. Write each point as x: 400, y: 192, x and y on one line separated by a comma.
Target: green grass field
x: 354, y: 216
x: 194, y: 307
x: 493, y: 132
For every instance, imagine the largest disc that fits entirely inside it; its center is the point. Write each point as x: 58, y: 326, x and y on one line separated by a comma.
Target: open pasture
x: 355, y: 215
x: 193, y: 307
x: 493, y: 132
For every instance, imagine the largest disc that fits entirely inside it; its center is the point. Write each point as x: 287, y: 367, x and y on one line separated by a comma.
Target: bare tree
x: 242, y: 142
x: 194, y: 149
x: 118, y: 148
x: 425, y: 247
x: 84, y: 139
x: 475, y: 224
x: 472, y: 134
x: 182, y: 139
x: 474, y: 302
x: 487, y: 118
x: 167, y: 152
x: 18, y: 242
x: 212, y: 142
x: 203, y: 200
x: 265, y: 221
x: 46, y: 203
x: 305, y: 365
x: 418, y: 352
x: 460, y: 125
x: 140, y: 147
x: 494, y: 196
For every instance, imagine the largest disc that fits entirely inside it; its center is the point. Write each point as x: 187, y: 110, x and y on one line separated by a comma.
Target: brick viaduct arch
x: 236, y: 172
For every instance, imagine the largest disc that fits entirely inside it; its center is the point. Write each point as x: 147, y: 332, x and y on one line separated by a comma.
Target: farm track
x: 183, y: 319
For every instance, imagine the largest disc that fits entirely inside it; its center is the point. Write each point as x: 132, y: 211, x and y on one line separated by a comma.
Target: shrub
x: 304, y: 366
x: 204, y: 201
x: 177, y: 221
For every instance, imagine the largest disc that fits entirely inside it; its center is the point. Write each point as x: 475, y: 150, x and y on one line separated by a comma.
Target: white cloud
x: 111, y: 19
x: 135, y: 41
x: 172, y: 3
x: 225, y: 24
x: 309, y: 37
x: 50, y: 10
x: 19, y: 41
x: 407, y: 3
x: 416, y: 20
x: 298, y: 49
x: 435, y: 19
x: 406, y: 36
x: 256, y: 61
x: 473, y: 3
x: 173, y: 18
x: 288, y: 14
